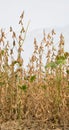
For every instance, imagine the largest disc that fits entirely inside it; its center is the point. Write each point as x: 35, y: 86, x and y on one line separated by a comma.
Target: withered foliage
x: 40, y: 91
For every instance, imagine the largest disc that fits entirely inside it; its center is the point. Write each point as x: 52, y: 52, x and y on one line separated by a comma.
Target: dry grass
x: 40, y: 92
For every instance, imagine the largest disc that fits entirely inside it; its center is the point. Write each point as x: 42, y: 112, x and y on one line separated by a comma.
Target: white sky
x: 41, y: 13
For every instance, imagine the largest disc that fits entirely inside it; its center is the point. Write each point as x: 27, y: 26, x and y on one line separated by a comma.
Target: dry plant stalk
x: 40, y: 92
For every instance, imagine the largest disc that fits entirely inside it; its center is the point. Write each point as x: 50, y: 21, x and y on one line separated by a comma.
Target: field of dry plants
x: 36, y: 98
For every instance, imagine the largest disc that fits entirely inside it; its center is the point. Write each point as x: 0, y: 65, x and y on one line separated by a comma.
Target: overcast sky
x: 41, y: 13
